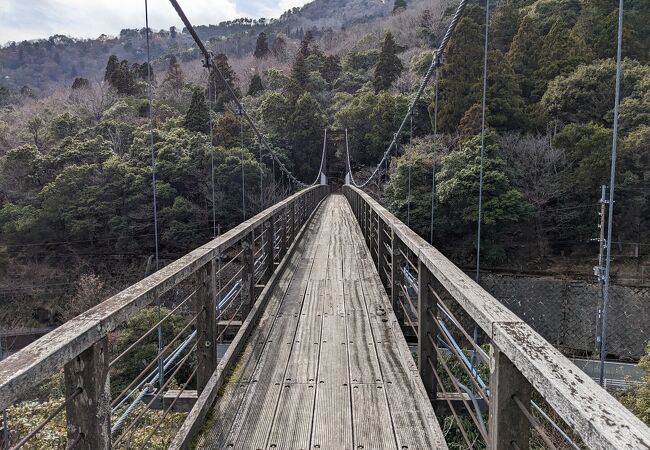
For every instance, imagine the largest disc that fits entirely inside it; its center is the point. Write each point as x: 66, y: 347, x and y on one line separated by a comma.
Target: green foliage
x: 458, y: 188
x: 389, y: 67
x: 586, y: 94
x: 561, y: 53
x: 416, y: 162
x: 460, y: 75
x: 22, y: 173
x: 255, y: 87
x: 197, y: 117
x: 361, y: 61
x: 137, y: 359
x: 307, y: 124
x: 220, y: 86
x: 372, y: 118
x: 261, y: 46
x: 524, y: 54
x: 65, y: 125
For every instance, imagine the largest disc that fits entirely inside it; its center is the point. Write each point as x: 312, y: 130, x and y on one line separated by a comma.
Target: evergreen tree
x: 503, y: 26
x: 80, y: 83
x: 299, y: 71
x: 505, y: 105
x: 389, y: 67
x: 306, y: 124
x: 261, y: 46
x: 197, y: 117
x: 111, y: 67
x: 255, y: 86
x: 399, y: 5
x: 461, y: 74
x: 561, y: 53
x: 219, y: 86
x: 524, y: 57
x: 331, y: 69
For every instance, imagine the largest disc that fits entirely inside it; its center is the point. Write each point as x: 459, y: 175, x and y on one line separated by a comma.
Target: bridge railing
x: 493, y: 377
x: 169, y: 357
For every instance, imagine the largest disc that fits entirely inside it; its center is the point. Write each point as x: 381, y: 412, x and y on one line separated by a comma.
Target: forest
x: 75, y: 163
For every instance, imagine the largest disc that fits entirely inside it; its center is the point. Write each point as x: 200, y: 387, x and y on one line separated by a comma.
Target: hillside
x: 75, y: 193
x: 44, y: 64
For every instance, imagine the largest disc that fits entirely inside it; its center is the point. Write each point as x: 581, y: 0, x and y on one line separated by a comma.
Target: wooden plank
x: 292, y: 425
x: 332, y: 426
x: 46, y: 356
x: 372, y: 425
x: 587, y: 408
x: 225, y: 410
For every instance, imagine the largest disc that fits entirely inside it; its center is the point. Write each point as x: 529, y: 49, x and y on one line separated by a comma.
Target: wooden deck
x: 327, y: 367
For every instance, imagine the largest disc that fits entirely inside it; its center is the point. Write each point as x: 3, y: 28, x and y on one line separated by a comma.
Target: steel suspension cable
x: 612, y: 183
x: 243, y: 176
x: 210, y: 63
x: 214, y: 205
x: 425, y: 80
x: 153, y: 181
x: 433, y: 155
x: 480, y: 183
x: 408, y: 204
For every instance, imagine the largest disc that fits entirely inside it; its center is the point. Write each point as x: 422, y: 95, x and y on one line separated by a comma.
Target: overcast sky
x: 31, y: 19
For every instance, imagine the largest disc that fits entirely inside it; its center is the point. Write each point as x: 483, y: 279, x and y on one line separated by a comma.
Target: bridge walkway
x: 327, y: 366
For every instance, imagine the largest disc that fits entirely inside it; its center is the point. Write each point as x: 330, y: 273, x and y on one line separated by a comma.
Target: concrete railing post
x: 205, y: 324
x: 247, y: 276
x: 427, y: 312
x: 507, y: 424
x: 88, y: 415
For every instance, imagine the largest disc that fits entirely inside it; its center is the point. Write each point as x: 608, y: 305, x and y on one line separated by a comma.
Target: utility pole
x: 599, y: 270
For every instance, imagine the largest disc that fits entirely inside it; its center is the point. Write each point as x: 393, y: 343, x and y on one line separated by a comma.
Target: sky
x: 32, y: 19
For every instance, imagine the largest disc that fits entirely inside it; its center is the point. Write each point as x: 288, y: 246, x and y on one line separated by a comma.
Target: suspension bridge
x: 322, y: 322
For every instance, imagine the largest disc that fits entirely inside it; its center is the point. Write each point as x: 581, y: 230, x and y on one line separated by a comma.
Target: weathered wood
x: 396, y: 277
x: 247, y: 275
x: 599, y: 420
x: 44, y: 357
x: 88, y: 415
x: 194, y: 420
x: 507, y: 424
x: 269, y: 249
x: 300, y: 392
x: 427, y: 311
x: 206, y: 349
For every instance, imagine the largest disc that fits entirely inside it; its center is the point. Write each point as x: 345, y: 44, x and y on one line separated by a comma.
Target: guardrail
x: 462, y: 332
x: 208, y: 291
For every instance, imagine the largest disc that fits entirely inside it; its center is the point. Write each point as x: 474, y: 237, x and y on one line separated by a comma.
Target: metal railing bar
x: 160, y: 391
x: 454, y: 381
x: 48, y: 419
x: 456, y: 322
x: 451, y: 405
x: 155, y: 327
x: 450, y: 343
x: 535, y: 423
x: 557, y: 428
x: 168, y: 409
x: 155, y: 360
x: 481, y: 389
